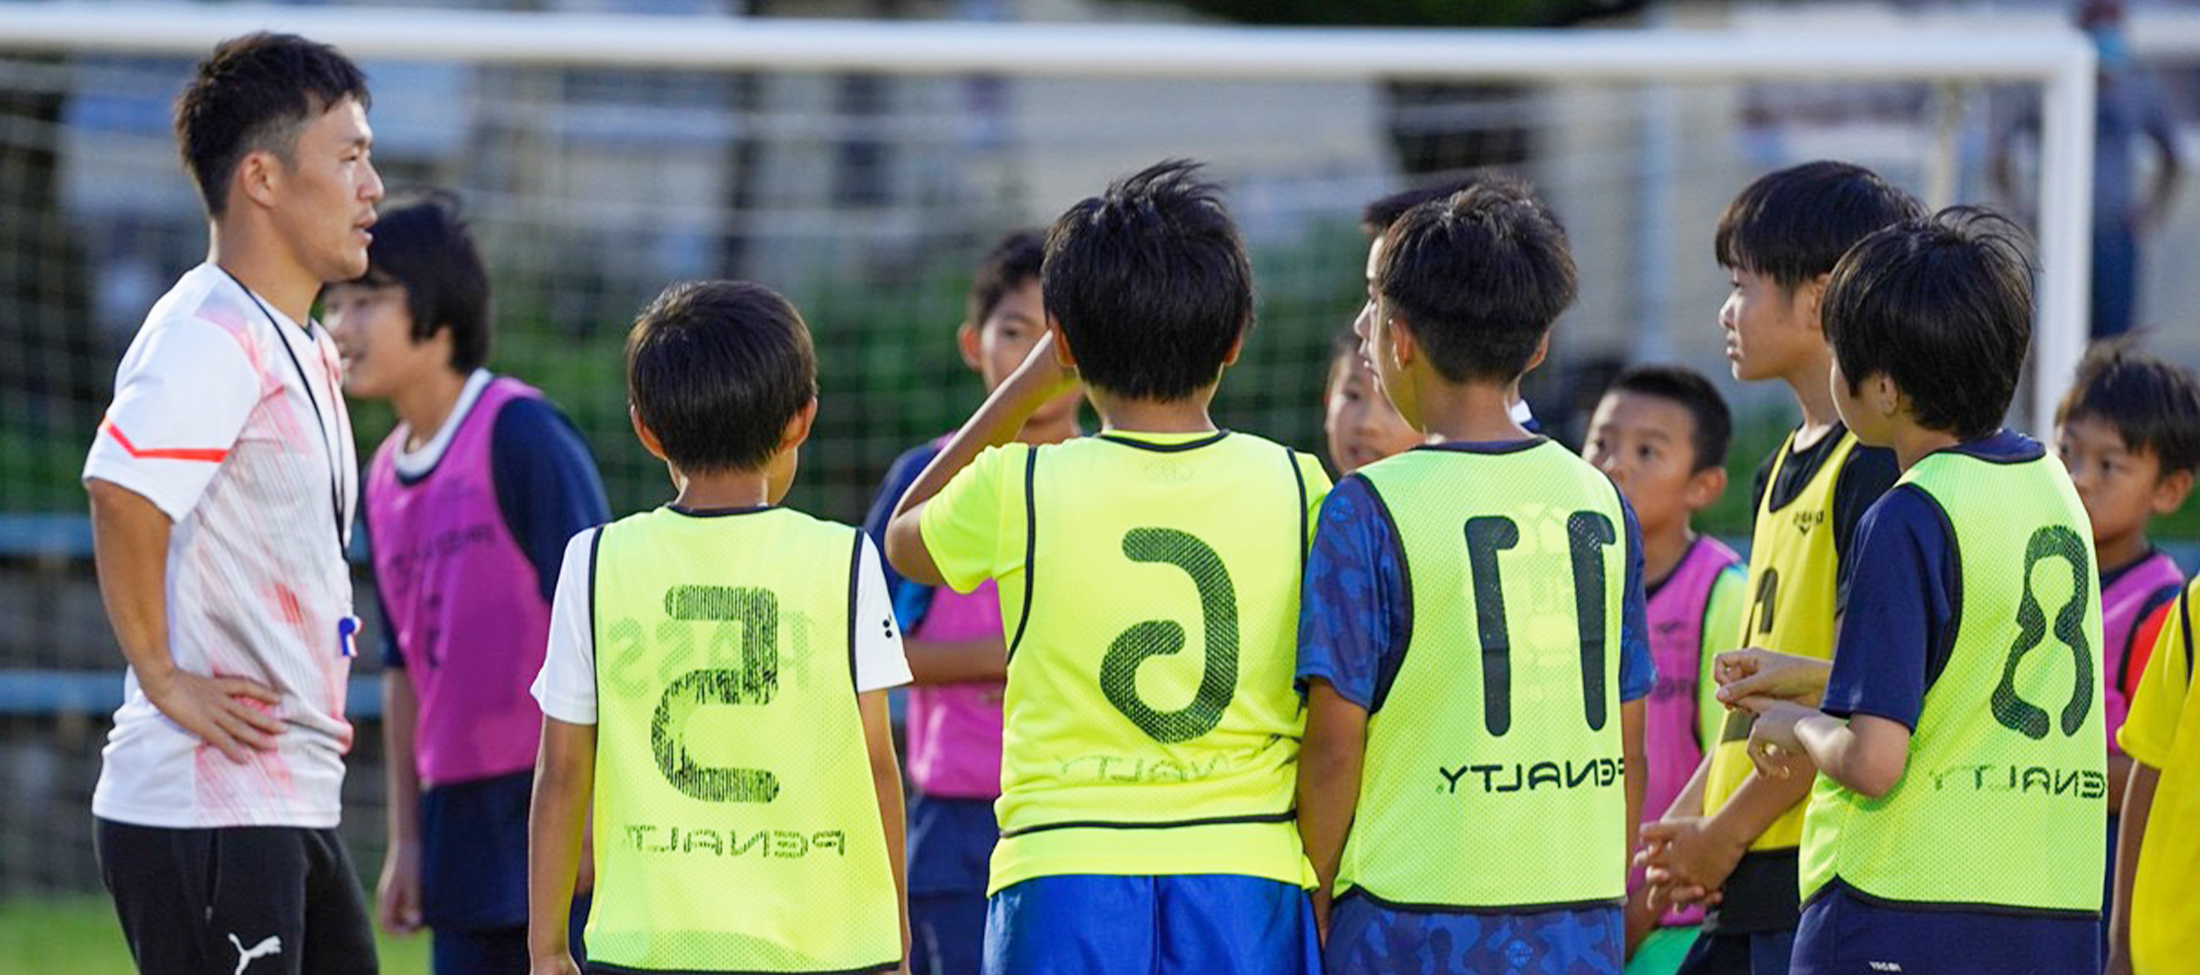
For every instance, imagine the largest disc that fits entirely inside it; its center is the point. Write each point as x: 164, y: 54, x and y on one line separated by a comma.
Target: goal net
x: 862, y: 169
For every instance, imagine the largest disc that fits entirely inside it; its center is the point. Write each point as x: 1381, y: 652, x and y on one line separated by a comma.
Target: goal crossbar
x: 2057, y: 59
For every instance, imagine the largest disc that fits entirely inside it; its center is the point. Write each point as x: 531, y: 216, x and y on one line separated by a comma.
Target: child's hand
x: 1685, y: 861
x: 559, y: 964
x: 1771, y: 674
x: 1043, y: 376
x: 1772, y: 740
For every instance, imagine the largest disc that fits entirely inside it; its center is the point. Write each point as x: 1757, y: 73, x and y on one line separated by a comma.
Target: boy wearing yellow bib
x: 1471, y: 638
x: 714, y: 692
x: 1148, y: 581
x: 1955, y: 821
x: 1729, y: 831
x: 2157, y: 920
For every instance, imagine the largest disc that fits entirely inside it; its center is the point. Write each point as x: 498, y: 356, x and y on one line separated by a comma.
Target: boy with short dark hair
x: 1778, y: 241
x: 484, y: 460
x: 1149, y: 582
x: 957, y: 652
x: 2129, y: 433
x: 1471, y: 763
x: 1960, y: 772
x: 732, y: 732
x: 1661, y: 433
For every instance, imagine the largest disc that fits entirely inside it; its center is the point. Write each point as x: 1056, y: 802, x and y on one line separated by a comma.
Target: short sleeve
x: 566, y: 688
x: 1638, y: 673
x: 182, y: 396
x: 965, y: 526
x: 546, y: 483
x: 2151, y: 726
x: 1355, y: 610
x: 880, y: 663
x: 1883, y: 660
x: 911, y: 601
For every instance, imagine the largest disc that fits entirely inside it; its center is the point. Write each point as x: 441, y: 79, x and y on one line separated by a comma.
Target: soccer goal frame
x: 2058, y: 61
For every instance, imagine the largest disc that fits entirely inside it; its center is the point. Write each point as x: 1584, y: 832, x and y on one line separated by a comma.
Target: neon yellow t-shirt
x: 2163, y: 731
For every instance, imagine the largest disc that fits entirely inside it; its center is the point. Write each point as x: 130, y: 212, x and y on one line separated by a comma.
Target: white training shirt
x: 214, y: 424
x: 566, y: 688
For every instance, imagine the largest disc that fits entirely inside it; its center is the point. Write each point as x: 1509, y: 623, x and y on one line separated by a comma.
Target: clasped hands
x: 1687, y: 858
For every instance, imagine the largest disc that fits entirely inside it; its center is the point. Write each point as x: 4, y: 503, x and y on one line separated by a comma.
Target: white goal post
x: 2059, y: 61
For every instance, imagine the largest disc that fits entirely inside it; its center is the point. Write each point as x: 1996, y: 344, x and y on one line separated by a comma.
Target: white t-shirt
x: 248, y: 448
x: 566, y: 688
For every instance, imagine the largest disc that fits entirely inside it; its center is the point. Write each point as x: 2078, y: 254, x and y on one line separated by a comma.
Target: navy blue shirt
x: 1897, y: 631
x: 911, y: 600
x: 1355, y: 619
x: 1356, y: 609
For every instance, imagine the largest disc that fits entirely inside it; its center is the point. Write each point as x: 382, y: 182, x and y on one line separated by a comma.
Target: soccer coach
x: 223, y: 482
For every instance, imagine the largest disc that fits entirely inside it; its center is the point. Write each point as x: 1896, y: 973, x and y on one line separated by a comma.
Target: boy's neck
x: 424, y: 406
x: 722, y: 490
x: 2119, y: 553
x: 1469, y: 412
x: 264, y: 269
x: 1912, y: 443
x: 1663, y: 550
x: 1050, y: 431
x: 1813, y: 389
x: 1187, y: 415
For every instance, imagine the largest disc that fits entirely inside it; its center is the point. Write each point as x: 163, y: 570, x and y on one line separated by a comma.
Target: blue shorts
x: 950, y: 844
x: 1366, y: 938
x: 1846, y: 931
x: 1198, y: 924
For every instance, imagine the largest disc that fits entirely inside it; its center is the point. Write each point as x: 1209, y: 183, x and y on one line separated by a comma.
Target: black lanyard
x: 320, y: 425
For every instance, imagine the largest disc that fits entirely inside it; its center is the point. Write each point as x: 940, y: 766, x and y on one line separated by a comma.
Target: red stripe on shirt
x: 207, y: 454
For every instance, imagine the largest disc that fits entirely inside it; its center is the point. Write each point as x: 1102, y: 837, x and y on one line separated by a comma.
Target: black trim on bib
x: 595, y: 966
x: 2153, y: 604
x: 1391, y: 905
x: 1290, y: 815
x: 595, y: 542
x: 1305, y: 541
x: 1946, y: 907
x: 1486, y: 448
x: 855, y: 582
x: 2184, y: 608
x: 681, y: 509
x: 1031, y: 545
x: 1386, y: 671
x: 1165, y: 448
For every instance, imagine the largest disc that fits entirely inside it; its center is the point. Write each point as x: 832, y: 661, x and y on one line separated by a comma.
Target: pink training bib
x: 463, y: 601
x: 2123, y: 603
x: 1676, y: 617
x: 955, y: 729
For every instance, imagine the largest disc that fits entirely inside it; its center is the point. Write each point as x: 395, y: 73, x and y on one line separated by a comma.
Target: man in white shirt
x: 223, y: 482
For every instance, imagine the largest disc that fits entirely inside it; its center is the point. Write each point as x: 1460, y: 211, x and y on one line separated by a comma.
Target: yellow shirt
x: 2163, y: 731
x: 1149, y: 586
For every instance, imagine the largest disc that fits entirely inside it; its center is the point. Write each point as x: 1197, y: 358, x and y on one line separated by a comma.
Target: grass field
x: 78, y: 935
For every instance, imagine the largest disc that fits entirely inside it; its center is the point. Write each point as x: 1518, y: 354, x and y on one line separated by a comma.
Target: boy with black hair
x: 470, y: 502
x: 1960, y: 771
x: 957, y: 652
x: 1472, y: 766
x: 2129, y: 433
x: 731, y: 736
x: 1733, y: 833
x: 225, y: 452
x: 1661, y: 433
x: 1149, y: 580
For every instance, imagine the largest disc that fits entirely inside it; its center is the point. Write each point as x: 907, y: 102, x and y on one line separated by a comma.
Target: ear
x: 643, y: 433
x: 797, y: 429
x: 2170, y: 491
x: 1403, y: 349
x: 1704, y: 488
x: 1542, y: 352
x: 1882, y: 395
x: 259, y: 178
x: 1237, y: 347
x: 1062, y: 354
x: 1809, y: 297
x: 966, y: 341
